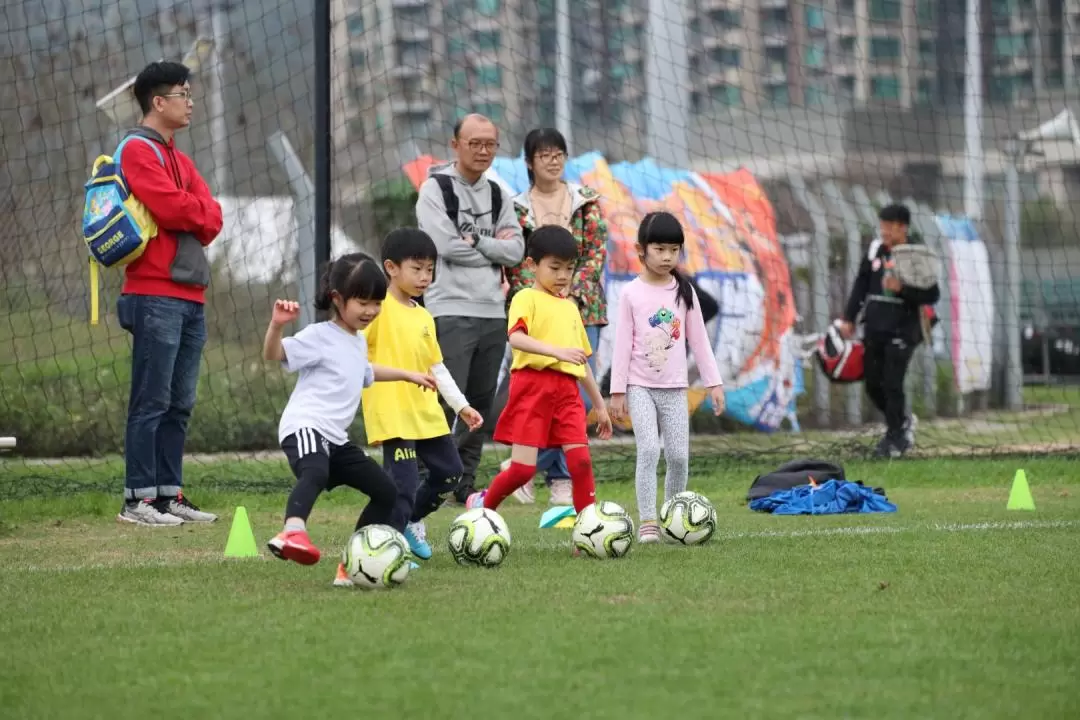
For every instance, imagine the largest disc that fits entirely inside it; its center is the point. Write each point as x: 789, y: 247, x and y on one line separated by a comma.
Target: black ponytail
x: 350, y: 276
x: 684, y: 289
x: 322, y: 297
x: 663, y: 228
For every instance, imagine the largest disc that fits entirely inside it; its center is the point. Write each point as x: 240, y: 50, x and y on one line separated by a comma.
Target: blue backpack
x: 115, y: 226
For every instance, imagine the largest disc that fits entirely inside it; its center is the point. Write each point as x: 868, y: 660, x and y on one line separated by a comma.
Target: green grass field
x: 951, y: 608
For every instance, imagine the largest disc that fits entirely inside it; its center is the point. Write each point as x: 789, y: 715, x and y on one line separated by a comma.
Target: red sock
x: 579, y: 462
x: 507, y: 482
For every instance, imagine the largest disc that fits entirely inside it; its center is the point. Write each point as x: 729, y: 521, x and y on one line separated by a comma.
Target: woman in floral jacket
x: 550, y: 200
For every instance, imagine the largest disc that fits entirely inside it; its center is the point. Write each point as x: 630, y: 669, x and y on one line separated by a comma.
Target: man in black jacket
x: 892, y: 328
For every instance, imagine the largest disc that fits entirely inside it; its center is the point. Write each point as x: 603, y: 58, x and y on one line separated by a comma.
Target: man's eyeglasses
x: 186, y: 94
x: 478, y: 145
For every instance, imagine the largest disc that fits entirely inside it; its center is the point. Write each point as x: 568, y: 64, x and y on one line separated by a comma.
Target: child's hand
x: 716, y: 394
x: 423, y: 380
x: 285, y: 311
x: 471, y: 418
x: 618, y: 407
x: 574, y: 356
x: 603, y: 423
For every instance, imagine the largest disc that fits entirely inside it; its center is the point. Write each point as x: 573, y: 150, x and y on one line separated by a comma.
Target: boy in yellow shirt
x: 406, y: 420
x: 550, y: 349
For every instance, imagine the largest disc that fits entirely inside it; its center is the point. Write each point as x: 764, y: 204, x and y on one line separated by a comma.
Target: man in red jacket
x: 161, y: 304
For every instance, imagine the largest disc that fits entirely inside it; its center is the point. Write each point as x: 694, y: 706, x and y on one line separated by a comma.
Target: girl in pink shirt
x: 659, y: 317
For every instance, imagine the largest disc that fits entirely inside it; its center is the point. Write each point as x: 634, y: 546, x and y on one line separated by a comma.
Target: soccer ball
x: 603, y: 530
x: 479, y: 537
x: 688, y: 518
x: 376, y: 556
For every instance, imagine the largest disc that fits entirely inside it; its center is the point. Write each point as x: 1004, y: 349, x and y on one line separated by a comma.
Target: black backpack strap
x: 450, y: 198
x: 496, y: 204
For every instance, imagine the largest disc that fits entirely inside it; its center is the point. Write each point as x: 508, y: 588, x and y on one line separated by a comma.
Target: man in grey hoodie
x: 466, y: 298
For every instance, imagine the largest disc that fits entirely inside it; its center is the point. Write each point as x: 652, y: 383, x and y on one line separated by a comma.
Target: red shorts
x: 544, y: 409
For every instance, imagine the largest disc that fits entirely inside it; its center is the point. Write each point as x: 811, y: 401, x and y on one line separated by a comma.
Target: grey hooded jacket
x: 468, y: 280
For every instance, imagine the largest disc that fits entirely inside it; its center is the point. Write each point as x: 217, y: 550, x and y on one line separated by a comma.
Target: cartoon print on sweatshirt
x: 666, y: 329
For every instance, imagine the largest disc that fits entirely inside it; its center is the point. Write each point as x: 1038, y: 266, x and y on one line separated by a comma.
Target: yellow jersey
x: 403, y: 337
x: 553, y: 320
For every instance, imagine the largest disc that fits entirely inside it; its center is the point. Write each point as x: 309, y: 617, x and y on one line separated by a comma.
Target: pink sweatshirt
x: 651, y: 338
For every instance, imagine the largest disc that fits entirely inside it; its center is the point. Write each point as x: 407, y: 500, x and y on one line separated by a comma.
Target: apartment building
x: 760, y: 53
x: 408, y: 69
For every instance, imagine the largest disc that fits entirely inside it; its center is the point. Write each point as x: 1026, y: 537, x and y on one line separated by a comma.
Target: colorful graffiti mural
x: 732, y: 251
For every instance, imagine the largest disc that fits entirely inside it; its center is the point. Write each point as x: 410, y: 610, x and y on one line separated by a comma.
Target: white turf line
x: 138, y: 563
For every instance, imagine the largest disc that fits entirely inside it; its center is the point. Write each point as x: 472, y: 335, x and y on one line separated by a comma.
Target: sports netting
x: 774, y: 130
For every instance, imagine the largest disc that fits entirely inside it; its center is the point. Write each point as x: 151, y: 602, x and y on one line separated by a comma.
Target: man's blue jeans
x: 168, y: 338
x: 552, y: 461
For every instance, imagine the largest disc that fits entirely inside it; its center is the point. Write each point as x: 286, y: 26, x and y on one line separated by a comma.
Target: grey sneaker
x: 562, y: 492
x: 184, y: 509
x: 143, y: 512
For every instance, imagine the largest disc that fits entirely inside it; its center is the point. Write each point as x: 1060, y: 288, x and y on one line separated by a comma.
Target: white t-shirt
x: 334, y: 370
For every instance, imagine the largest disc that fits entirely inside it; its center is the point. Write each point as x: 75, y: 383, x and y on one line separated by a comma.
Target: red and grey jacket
x: 188, y: 219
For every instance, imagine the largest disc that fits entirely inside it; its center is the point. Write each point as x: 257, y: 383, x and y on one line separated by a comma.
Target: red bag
x: 840, y: 359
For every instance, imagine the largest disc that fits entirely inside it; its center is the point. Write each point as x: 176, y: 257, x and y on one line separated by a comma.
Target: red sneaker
x: 294, y: 545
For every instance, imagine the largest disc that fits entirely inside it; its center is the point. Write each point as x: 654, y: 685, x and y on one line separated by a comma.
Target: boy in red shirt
x: 162, y: 300
x: 550, y: 352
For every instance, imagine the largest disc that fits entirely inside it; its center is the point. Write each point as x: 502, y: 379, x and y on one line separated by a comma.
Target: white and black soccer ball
x: 479, y: 537
x: 603, y: 530
x: 688, y: 518
x: 377, y: 556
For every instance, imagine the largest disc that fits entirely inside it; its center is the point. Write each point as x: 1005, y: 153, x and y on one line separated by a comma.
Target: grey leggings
x: 658, y: 413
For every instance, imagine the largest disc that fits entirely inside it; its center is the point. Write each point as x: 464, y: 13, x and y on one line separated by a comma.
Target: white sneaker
x: 909, y: 430
x: 526, y: 494
x: 143, y: 512
x: 648, y: 533
x: 562, y: 492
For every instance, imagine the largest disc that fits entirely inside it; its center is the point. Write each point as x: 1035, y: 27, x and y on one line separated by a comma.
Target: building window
x: 493, y: 111
x: 459, y: 82
x: 726, y: 57
x: 884, y: 48
x: 816, y: 95
x: 924, y: 95
x: 815, y: 17
x: 548, y: 41
x: 545, y: 76
x: 1008, y: 46
x: 489, y: 76
x: 728, y: 95
x: 487, y: 8
x: 358, y: 59
x: 815, y: 55
x: 356, y: 24
x: 457, y: 46
x: 414, y: 54
x: 487, y: 40
x: 778, y: 95
x: 884, y: 10
x: 727, y: 19
x: 622, y: 71
x: 926, y: 52
x: 885, y: 87
x: 924, y: 12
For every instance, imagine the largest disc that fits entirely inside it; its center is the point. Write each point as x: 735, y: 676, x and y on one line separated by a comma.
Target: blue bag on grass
x: 832, y: 497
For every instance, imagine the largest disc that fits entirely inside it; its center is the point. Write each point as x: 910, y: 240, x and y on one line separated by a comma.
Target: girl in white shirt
x: 332, y: 360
